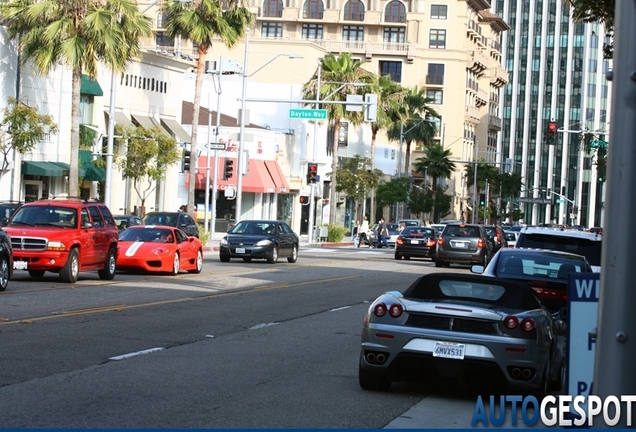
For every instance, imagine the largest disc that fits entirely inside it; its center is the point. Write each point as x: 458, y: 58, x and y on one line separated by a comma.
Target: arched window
x: 273, y: 8
x: 161, y: 19
x: 395, y: 12
x: 354, y: 10
x: 313, y: 9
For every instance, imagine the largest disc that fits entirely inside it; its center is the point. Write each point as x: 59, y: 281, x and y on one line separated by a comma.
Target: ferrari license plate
x: 449, y: 350
x: 240, y: 250
x: 20, y: 265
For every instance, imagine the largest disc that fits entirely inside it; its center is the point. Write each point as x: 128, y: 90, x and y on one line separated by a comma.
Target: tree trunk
x: 407, y: 159
x: 334, y: 168
x: 434, y: 185
x: 372, y: 210
x: 194, y: 155
x: 73, y: 174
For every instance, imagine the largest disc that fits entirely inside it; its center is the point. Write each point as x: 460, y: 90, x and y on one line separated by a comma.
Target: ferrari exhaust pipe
x: 380, y: 358
x: 371, y: 357
x: 516, y: 373
x: 526, y: 373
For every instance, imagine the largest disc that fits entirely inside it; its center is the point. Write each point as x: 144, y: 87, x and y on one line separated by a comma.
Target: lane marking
x: 135, y: 354
x: 260, y: 326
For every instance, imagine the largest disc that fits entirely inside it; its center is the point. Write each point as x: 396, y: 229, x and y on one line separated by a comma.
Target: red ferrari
x: 155, y: 248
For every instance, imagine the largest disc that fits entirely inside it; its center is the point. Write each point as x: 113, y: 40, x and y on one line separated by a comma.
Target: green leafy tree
x: 394, y: 191
x: 202, y: 22
x: 355, y: 179
x: 420, y: 200
x: 78, y: 34
x: 149, y: 153
x: 21, y: 127
x: 435, y: 164
x: 338, y: 75
x: 596, y: 11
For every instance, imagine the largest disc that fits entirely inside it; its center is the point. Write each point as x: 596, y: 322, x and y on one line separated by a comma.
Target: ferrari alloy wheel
x: 36, y: 273
x: 273, y: 256
x: 70, y: 271
x: 294, y: 256
x: 108, y: 272
x: 198, y: 262
x: 175, y: 264
x: 373, y: 381
x: 4, y: 273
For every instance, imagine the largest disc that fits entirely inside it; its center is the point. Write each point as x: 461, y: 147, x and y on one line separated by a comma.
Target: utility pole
x: 616, y: 332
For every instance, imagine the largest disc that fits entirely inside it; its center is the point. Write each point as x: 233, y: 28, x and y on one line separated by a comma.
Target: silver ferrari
x: 482, y: 332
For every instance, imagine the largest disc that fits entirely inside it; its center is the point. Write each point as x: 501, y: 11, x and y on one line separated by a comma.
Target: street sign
x: 216, y: 146
x: 530, y: 200
x: 307, y: 113
x: 561, y: 201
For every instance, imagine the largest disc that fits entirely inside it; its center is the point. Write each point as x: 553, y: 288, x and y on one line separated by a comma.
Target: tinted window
x: 108, y: 217
x: 181, y: 237
x: 590, y: 249
x: 98, y: 221
x: 461, y: 231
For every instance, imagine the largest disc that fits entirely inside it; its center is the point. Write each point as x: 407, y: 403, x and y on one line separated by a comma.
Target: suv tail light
x: 440, y: 240
x: 480, y: 243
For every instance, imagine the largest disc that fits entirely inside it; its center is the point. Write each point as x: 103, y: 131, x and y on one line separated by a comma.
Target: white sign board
x: 583, y: 293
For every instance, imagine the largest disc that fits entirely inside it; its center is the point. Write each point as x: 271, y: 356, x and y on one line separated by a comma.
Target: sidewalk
x: 213, y: 244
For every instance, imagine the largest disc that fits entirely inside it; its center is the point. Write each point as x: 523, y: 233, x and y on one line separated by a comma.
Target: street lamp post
x: 312, y: 186
x: 241, y: 157
x: 216, y: 75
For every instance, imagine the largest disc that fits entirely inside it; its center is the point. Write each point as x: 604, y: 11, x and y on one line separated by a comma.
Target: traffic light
x: 371, y: 110
x: 563, y: 190
x: 548, y: 193
x: 482, y: 199
x: 228, y: 170
x: 186, y: 160
x: 551, y: 133
x: 312, y: 172
x: 304, y: 199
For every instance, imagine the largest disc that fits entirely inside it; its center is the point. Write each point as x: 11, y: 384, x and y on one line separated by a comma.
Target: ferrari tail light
x: 480, y: 243
x: 395, y: 310
x: 527, y: 324
x: 511, y: 322
x: 379, y: 310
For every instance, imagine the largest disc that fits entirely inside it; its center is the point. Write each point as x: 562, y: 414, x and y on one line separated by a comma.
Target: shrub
x: 335, y: 233
x: 204, y: 236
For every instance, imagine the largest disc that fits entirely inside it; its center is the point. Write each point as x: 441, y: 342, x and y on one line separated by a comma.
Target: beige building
x: 452, y: 48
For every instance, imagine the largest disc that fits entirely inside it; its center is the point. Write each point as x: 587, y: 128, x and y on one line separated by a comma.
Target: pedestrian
x: 354, y: 234
x: 402, y: 226
x: 362, y: 232
x: 383, y: 233
x: 182, y: 208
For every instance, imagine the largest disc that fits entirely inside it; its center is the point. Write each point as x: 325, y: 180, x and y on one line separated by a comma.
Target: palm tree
x: 338, y: 75
x: 201, y: 21
x: 78, y: 34
x: 435, y: 163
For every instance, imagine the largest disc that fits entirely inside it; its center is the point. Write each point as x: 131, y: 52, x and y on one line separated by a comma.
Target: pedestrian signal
x: 304, y: 199
x: 312, y: 173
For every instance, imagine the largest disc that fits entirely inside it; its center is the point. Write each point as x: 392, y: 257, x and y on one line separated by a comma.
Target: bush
x: 204, y: 236
x: 335, y: 233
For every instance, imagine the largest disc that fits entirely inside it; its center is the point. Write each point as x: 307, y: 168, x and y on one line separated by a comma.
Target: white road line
x: 259, y: 326
x: 135, y: 354
x: 339, y: 309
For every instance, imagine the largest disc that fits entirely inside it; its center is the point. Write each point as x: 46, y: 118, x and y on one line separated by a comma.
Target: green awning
x: 91, y: 172
x: 46, y: 169
x: 90, y: 87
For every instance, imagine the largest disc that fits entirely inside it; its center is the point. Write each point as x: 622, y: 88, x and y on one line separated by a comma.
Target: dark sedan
x: 180, y: 219
x: 127, y: 221
x: 260, y: 239
x: 545, y: 271
x: 417, y: 241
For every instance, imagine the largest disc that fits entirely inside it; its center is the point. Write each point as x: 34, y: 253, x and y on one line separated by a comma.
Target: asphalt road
x: 241, y: 345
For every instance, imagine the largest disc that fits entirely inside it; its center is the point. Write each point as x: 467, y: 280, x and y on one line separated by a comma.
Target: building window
x: 394, y: 34
x: 86, y: 108
x: 313, y: 9
x: 393, y: 68
x: 272, y: 30
x: 312, y: 31
x: 437, y: 39
x: 435, y: 74
x: 436, y: 96
x: 273, y: 8
x: 161, y: 19
x: 353, y: 33
x: 163, y: 40
x: 395, y: 12
x: 354, y: 11
x: 439, y: 11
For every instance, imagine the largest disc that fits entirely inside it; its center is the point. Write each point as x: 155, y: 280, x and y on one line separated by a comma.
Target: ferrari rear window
x: 471, y: 290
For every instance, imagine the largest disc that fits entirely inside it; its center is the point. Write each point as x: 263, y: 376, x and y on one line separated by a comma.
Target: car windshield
x: 393, y: 228
x: 590, y: 249
x: 157, y: 235
x: 542, y: 265
x: 160, y: 219
x: 45, y: 216
x: 254, y: 228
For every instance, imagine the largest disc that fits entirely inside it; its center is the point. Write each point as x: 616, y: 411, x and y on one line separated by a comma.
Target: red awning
x: 277, y: 174
x: 257, y: 180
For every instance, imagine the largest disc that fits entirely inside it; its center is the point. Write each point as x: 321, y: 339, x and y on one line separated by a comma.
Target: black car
x: 497, y: 237
x: 125, y: 221
x: 417, y: 241
x: 463, y: 244
x: 181, y: 220
x: 545, y: 271
x: 6, y: 260
x: 260, y: 239
x: 7, y: 208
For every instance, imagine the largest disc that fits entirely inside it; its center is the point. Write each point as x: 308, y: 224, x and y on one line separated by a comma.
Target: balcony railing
x: 190, y: 54
x: 313, y: 14
x: 471, y: 112
x: 272, y: 13
x: 369, y: 48
x: 348, y: 16
x: 395, y: 18
x: 494, y: 122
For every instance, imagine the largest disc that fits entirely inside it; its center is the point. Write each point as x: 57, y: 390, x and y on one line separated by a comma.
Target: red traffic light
x: 551, y: 133
x: 552, y: 126
x: 304, y: 199
x: 312, y: 172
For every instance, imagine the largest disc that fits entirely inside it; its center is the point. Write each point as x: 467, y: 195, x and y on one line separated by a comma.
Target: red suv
x: 64, y: 236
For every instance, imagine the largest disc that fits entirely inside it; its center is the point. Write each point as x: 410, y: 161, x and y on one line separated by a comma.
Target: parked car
x: 545, y: 271
x: 126, y: 221
x: 6, y: 260
x: 411, y: 222
x: 368, y: 239
x: 449, y: 326
x: 157, y: 248
x: 463, y: 244
x: 181, y: 220
x: 496, y: 236
x: 260, y: 239
x: 511, y: 238
x: 417, y: 241
x: 596, y: 230
x: 567, y: 240
x: 394, y: 231
x: 65, y: 236
x: 7, y: 208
